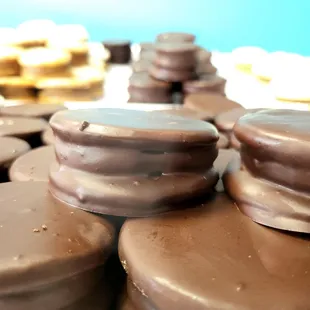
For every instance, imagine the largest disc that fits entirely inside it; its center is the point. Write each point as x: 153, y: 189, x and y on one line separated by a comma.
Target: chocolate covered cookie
x: 224, y: 157
x: 55, y: 255
x: 175, y: 37
x: 270, y: 184
x: 175, y: 56
x: 11, y: 148
x: 214, y: 104
x: 131, y: 163
x: 231, y: 262
x: 33, y: 166
x: 143, y: 88
x: 28, y: 129
x: 31, y: 110
x: 225, y: 122
x: 171, y: 75
x: 120, y: 51
x: 205, y: 83
x: 47, y: 136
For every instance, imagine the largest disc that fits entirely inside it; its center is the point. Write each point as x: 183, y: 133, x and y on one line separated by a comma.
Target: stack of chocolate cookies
x: 204, y: 253
x: 176, y: 60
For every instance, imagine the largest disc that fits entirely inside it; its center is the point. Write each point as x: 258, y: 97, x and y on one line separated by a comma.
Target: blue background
x: 219, y: 24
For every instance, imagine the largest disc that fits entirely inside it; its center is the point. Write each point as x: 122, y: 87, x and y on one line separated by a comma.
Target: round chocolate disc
x: 47, y: 136
x: 188, y: 113
x: 231, y: 262
x: 32, y: 110
x: 11, y: 148
x: 33, y: 166
x: 272, y: 186
x: 213, y: 103
x: 175, y: 37
x: 21, y: 127
x: 124, y: 126
x: 226, y: 120
x: 55, y: 254
x: 131, y: 163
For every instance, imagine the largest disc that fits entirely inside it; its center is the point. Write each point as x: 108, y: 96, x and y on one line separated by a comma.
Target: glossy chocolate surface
x: 175, y: 37
x: 273, y: 188
x: 32, y: 110
x: 47, y: 136
x: 213, y: 257
x: 104, y: 126
x: 176, y: 56
x: 33, y: 166
x: 226, y: 120
x: 213, y: 103
x: 21, y: 127
x: 220, y: 164
x: 55, y: 253
x: 189, y: 113
x: 205, y: 83
x: 11, y: 148
x: 171, y: 75
x: 131, y: 163
x: 223, y: 141
x: 143, y: 88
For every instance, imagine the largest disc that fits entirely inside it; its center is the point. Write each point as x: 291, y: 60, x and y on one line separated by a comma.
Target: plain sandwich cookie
x: 270, y: 183
x: 131, y: 163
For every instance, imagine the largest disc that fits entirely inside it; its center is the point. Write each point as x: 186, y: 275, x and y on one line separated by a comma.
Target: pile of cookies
x: 184, y: 244
x: 48, y: 63
x: 286, y: 74
x: 171, y: 67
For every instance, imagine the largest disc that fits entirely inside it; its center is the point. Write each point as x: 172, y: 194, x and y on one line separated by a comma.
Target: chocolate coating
x: 28, y: 129
x: 119, y: 49
x: 47, y: 136
x: 33, y: 166
x: 237, y: 264
x: 145, y: 162
x: 143, y: 88
x: 272, y: 188
x: 171, y: 75
x: 55, y: 254
x: 104, y: 126
x: 176, y: 56
x: 220, y: 164
x: 213, y: 103
x: 226, y: 120
x: 32, y: 110
x: 175, y: 37
x: 234, y: 142
x: 141, y: 65
x: 188, y: 113
x: 205, y: 83
x: 223, y: 141
x: 11, y: 148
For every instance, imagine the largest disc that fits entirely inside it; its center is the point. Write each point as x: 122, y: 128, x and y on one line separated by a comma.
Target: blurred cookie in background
x: 40, y: 63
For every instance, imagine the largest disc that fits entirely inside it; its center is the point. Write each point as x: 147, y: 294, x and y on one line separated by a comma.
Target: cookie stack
x: 41, y: 62
x: 175, y: 59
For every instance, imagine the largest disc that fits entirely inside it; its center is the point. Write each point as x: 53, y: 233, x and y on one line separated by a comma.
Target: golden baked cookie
x: 34, y: 33
x: 79, y: 50
x: 61, y: 90
x: 9, y: 61
x: 40, y: 63
x: 17, y: 88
